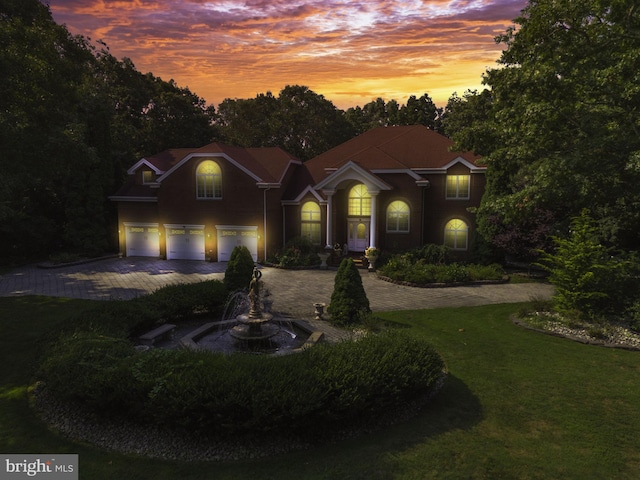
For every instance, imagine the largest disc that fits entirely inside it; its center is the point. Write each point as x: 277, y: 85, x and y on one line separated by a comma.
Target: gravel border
x: 77, y: 423
x: 617, y: 335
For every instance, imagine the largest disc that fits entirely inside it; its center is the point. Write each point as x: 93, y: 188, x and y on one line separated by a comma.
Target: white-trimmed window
x: 458, y: 186
x: 148, y: 177
x: 398, y: 217
x: 359, y: 201
x: 310, y: 222
x: 208, y: 180
x: 456, y: 234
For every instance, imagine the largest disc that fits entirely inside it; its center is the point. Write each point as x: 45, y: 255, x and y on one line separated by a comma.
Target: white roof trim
x: 284, y: 172
x: 408, y: 171
x: 298, y: 199
x: 353, y: 171
x: 473, y: 168
x: 146, y: 162
x: 209, y: 155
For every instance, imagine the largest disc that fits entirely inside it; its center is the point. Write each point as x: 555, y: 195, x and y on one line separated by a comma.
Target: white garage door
x: 142, y: 239
x: 185, y: 242
x: 229, y: 236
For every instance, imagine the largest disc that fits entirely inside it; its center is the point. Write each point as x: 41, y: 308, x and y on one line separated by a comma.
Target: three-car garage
x: 188, y: 242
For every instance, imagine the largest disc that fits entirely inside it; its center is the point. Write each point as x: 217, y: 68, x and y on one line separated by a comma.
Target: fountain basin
x: 278, y: 337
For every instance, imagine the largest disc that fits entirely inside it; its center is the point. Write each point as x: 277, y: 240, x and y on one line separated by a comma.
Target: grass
x: 517, y: 405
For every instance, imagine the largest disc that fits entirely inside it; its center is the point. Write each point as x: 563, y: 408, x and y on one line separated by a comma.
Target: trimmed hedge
x: 323, y: 387
x: 404, y: 269
x: 177, y: 302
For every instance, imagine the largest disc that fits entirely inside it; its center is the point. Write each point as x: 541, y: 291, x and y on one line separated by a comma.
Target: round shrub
x: 328, y: 386
x: 239, y: 269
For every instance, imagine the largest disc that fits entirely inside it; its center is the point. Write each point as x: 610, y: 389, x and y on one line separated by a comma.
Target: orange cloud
x: 349, y: 51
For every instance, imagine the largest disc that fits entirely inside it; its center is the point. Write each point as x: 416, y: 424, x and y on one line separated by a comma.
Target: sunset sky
x: 350, y: 51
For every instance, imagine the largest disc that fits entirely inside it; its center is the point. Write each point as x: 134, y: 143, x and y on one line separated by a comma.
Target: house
x: 392, y: 187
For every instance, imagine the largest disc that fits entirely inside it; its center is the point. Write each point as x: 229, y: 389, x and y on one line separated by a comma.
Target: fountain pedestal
x: 255, y: 325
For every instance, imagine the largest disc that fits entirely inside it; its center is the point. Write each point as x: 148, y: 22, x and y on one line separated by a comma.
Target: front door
x: 358, y: 234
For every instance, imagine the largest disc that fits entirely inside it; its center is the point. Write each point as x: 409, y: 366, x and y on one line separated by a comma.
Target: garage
x: 142, y: 239
x: 229, y: 236
x: 185, y: 242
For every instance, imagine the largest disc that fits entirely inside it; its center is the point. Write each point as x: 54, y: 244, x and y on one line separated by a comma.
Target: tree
x: 421, y: 111
x: 248, y: 123
x: 348, y: 300
x: 378, y: 113
x: 44, y: 120
x: 563, y: 129
x: 72, y: 120
x: 589, y: 278
x: 309, y: 124
x: 299, y: 120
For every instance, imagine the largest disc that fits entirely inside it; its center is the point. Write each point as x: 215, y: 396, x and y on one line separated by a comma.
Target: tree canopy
x: 378, y: 113
x: 299, y: 120
x: 72, y: 119
x: 560, y: 128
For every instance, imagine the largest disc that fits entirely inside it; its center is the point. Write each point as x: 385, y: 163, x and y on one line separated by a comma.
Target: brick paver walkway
x: 293, y: 291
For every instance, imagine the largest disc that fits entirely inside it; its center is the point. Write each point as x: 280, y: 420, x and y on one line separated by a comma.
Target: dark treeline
x: 73, y: 118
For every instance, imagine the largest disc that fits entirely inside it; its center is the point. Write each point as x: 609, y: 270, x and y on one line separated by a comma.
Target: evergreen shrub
x: 328, y: 386
x: 348, y: 300
x: 239, y: 269
x: 589, y: 277
x: 402, y: 268
x: 299, y: 252
x: 136, y: 316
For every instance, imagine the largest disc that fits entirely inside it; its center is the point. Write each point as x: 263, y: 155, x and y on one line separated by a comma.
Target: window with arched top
x: 310, y: 222
x: 208, y: 180
x: 398, y: 217
x: 359, y: 201
x: 456, y: 234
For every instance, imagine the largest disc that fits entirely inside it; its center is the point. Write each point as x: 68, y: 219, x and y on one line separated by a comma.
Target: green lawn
x: 517, y: 405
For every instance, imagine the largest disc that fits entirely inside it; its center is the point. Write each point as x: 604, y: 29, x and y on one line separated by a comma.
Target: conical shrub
x: 348, y: 300
x: 239, y: 269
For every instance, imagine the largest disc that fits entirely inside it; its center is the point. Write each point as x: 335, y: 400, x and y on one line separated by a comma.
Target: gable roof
x: 266, y: 165
x: 414, y: 148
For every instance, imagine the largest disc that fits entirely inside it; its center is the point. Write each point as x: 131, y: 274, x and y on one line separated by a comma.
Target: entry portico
x: 362, y: 205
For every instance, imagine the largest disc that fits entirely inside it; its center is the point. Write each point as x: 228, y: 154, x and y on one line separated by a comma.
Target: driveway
x: 294, y: 291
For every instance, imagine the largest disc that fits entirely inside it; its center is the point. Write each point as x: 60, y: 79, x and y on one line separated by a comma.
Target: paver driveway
x: 294, y: 291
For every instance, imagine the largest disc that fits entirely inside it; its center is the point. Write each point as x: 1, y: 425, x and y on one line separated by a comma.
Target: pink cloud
x: 238, y: 48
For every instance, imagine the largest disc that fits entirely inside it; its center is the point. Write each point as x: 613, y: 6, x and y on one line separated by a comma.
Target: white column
x: 374, y: 219
x: 329, y: 194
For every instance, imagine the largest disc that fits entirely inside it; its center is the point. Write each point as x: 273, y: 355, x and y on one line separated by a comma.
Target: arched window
x: 310, y: 222
x: 456, y: 233
x: 398, y: 217
x: 208, y: 180
x: 359, y: 201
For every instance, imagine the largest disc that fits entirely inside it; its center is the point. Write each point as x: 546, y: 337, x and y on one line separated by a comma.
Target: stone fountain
x: 248, y: 329
x: 255, y: 326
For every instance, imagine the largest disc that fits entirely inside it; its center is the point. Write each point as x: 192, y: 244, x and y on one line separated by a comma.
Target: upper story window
x: 359, y: 201
x: 310, y: 222
x: 456, y: 234
x: 398, y: 217
x: 208, y: 180
x: 458, y: 186
x: 148, y: 177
